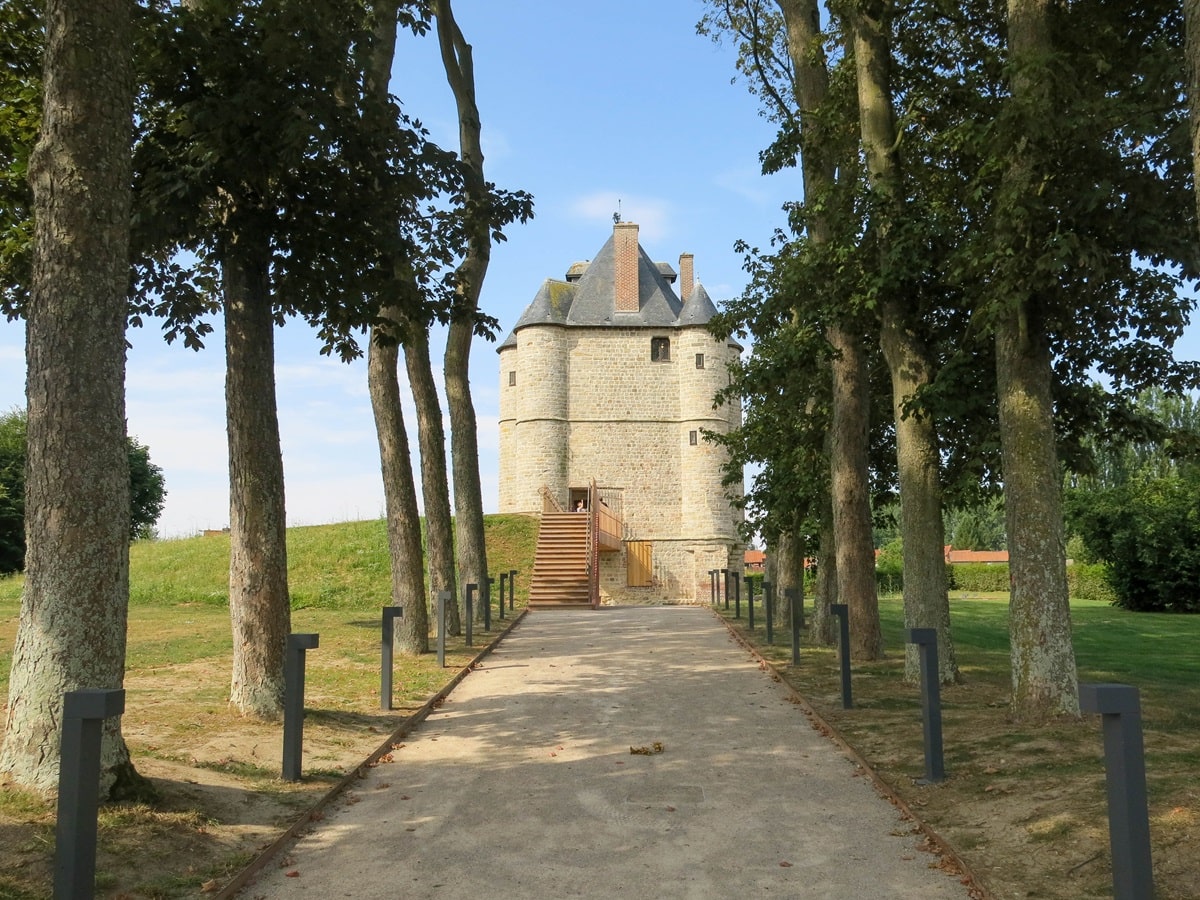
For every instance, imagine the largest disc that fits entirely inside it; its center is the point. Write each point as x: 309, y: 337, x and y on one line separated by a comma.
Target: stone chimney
x: 687, y: 279
x: 625, y: 245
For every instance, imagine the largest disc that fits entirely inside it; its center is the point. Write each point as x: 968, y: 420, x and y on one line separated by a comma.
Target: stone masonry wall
x: 592, y: 403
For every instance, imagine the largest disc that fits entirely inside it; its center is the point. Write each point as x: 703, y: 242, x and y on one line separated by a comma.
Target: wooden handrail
x: 593, y: 548
x: 549, y: 501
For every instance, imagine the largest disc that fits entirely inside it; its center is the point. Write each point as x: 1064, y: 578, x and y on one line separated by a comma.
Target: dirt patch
x: 217, y: 774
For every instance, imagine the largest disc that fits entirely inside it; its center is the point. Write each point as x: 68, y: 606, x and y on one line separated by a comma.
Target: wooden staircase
x: 560, y: 566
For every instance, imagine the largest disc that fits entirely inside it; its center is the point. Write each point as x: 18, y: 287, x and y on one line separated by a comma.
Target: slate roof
x: 591, y: 300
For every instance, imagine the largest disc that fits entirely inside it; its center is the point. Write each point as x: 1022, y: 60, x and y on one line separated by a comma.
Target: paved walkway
x: 522, y: 784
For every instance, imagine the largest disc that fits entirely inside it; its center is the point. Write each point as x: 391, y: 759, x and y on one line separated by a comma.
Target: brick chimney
x: 625, y: 243
x: 687, y: 279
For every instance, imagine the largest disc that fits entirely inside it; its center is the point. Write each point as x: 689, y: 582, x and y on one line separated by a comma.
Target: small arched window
x: 660, y: 349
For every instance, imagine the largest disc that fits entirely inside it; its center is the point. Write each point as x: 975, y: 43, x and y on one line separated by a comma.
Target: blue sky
x: 584, y: 105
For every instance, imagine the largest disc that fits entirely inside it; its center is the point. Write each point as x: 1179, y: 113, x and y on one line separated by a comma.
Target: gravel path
x: 523, y: 784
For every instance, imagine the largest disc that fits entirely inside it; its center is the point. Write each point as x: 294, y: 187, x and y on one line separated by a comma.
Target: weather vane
x: 617, y: 214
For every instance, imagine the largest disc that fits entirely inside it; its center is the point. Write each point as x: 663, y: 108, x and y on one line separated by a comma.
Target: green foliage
x: 260, y: 127
x: 1148, y: 532
x: 12, y: 491
x: 889, y: 567
x: 1139, y: 512
x: 147, y: 491
x: 1089, y: 581
x: 977, y: 527
x: 21, y: 38
x: 978, y: 578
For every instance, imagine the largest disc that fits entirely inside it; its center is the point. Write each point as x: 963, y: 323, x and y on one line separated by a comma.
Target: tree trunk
x: 399, y: 491
x: 1043, y: 657
x: 854, y: 542
x: 789, y: 556
x: 464, y: 455
x: 431, y: 436
x: 71, y: 631
x: 926, y: 601
x: 854, y: 545
x: 1191, y: 15
x: 259, y: 605
x: 400, y: 495
x: 822, y: 628
x: 464, y: 443
x: 926, y: 598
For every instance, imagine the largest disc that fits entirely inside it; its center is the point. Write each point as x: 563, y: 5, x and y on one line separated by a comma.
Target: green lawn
x: 338, y: 576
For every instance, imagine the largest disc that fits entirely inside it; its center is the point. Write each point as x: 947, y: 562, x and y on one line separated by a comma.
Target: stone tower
x: 609, y: 376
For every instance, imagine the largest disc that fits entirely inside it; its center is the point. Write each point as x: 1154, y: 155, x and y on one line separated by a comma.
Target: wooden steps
x: 560, y: 566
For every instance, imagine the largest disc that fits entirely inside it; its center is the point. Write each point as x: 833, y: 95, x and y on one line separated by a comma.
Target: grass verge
x: 218, y: 774
x: 1025, y: 805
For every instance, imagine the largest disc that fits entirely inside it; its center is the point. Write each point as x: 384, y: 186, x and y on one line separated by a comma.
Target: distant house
x: 991, y: 557
x: 754, y: 560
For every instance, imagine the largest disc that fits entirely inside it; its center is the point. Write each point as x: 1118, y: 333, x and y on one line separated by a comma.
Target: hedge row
x: 1085, y: 582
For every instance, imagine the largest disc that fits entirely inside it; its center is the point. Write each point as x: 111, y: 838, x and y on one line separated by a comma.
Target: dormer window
x: 660, y: 349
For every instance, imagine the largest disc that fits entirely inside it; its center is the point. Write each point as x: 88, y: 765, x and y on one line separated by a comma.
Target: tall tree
x: 484, y: 211
x: 795, y: 85
x: 400, y: 494
x: 394, y: 327
x: 435, y: 486
x: 918, y: 457
x: 71, y: 632
x: 1043, y: 656
x: 264, y: 155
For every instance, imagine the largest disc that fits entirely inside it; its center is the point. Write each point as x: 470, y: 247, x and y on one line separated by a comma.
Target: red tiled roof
x: 976, y: 556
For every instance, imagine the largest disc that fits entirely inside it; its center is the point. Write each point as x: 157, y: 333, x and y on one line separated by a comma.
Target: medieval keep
x: 606, y: 385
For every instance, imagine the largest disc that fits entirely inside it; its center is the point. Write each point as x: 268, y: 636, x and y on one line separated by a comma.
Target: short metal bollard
x: 503, y: 582
x: 84, y: 712
x: 737, y: 595
x: 487, y: 606
x: 390, y: 614
x: 795, y: 605
x: 725, y: 584
x: 512, y: 588
x: 712, y: 585
x: 1125, y: 776
x: 443, y: 599
x: 293, y: 702
x: 931, y: 703
x: 842, y: 611
x: 469, y: 604
x: 768, y: 609
x: 750, y: 600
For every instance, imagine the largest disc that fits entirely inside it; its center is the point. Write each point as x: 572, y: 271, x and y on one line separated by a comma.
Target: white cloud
x: 748, y: 183
x: 650, y: 213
